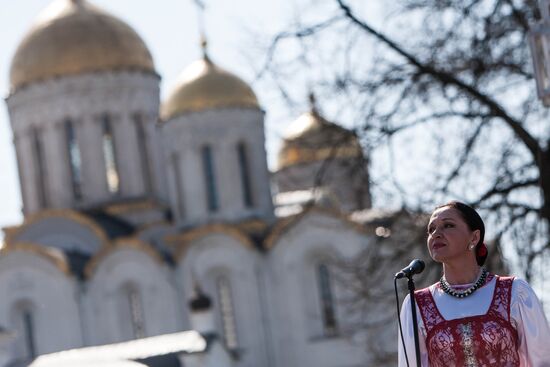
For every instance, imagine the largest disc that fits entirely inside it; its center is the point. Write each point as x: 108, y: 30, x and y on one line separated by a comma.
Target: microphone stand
x: 415, y: 323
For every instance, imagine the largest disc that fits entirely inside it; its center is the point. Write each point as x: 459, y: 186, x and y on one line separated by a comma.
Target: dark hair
x: 474, y: 222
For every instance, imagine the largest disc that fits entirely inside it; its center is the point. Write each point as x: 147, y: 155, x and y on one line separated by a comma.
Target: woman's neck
x: 461, y: 274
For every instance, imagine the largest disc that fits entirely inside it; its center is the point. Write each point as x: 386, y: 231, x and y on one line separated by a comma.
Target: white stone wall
x: 218, y: 254
x: 275, y: 295
x: 222, y: 130
x: 293, y: 293
x: 29, y: 278
x: 106, y: 318
x: 84, y: 99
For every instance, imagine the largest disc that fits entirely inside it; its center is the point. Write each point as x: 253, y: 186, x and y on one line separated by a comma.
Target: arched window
x: 210, y: 178
x: 227, y: 312
x: 134, y: 309
x: 109, y: 155
x: 326, y: 300
x: 244, y: 171
x: 28, y: 332
x: 25, y: 327
x: 178, y: 188
x: 40, y: 168
x: 75, y: 161
x: 143, y: 151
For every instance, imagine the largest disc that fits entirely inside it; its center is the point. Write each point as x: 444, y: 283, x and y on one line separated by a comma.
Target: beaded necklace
x: 465, y: 293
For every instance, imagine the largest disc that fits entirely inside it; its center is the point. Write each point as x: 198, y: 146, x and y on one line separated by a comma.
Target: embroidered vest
x: 474, y: 341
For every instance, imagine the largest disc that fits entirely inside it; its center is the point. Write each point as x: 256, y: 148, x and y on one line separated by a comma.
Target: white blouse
x: 526, y: 312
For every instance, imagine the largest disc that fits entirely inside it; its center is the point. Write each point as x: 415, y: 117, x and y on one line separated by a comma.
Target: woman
x: 472, y: 317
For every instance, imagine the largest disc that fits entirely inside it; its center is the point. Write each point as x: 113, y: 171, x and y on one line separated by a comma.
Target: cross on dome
x: 204, y: 46
x: 312, y: 102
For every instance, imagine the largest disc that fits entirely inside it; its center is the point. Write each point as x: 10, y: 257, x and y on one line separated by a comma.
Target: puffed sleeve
x: 408, y: 335
x: 533, y: 330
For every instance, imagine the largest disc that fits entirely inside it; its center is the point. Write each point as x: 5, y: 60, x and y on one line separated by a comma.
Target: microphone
x: 415, y: 267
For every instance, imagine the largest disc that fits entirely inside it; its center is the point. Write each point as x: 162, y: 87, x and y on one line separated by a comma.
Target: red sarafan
x: 483, y: 340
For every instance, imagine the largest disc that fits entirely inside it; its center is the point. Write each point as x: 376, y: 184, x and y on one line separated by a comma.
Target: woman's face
x: 449, y: 236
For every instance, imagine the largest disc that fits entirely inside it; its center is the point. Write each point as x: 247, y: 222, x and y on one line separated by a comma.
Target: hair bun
x: 481, y: 253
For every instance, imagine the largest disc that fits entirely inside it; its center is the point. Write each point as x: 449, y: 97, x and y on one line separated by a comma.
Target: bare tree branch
x: 449, y: 79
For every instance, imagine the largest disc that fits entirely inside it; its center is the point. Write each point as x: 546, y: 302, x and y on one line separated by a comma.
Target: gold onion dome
x: 204, y: 85
x: 311, y: 138
x: 71, y: 37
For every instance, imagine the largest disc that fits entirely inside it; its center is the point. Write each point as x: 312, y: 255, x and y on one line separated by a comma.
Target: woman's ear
x: 475, y: 236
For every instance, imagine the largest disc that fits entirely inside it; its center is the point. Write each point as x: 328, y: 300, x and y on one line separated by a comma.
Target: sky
x: 235, y: 31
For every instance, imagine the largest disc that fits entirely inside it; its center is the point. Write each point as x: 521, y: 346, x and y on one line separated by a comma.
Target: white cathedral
x: 145, y: 218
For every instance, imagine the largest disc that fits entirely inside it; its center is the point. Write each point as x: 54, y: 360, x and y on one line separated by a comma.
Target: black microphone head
x: 415, y: 267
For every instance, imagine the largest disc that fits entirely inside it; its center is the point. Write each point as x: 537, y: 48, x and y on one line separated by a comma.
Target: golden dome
x: 204, y: 85
x: 73, y: 36
x: 311, y: 138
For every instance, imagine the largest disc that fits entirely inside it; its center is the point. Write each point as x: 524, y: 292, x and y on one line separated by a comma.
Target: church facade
x: 131, y: 204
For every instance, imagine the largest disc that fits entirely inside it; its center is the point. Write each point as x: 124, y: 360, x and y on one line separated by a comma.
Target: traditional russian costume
x: 501, y: 324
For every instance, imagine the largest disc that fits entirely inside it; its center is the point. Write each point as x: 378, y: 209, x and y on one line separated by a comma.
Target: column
x: 94, y: 182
